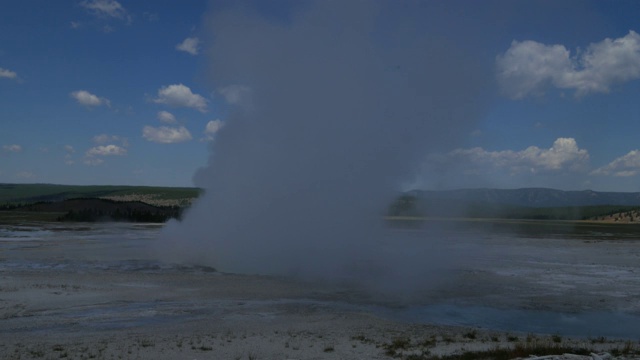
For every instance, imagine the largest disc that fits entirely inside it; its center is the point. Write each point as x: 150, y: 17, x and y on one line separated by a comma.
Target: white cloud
x: 166, y: 134
x: 180, y: 96
x: 166, y: 117
x: 86, y: 98
x: 530, y: 68
x: 212, y: 128
x: 564, y: 155
x: 189, y: 45
x: 69, y: 149
x: 12, y: 148
x: 106, y: 150
x: 235, y: 94
x: 8, y: 74
x: 106, y: 9
x: 624, y: 166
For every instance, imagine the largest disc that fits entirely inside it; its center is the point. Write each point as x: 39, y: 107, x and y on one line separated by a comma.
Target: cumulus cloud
x: 106, y: 150
x: 166, y: 117
x: 179, y: 95
x: 166, y: 134
x: 14, y: 148
x: 235, y: 94
x: 106, y: 9
x: 189, y: 45
x: 212, y: 128
x: 627, y: 165
x: 88, y: 99
x: 564, y: 155
x: 8, y: 74
x: 93, y: 155
x: 69, y: 149
x: 530, y: 68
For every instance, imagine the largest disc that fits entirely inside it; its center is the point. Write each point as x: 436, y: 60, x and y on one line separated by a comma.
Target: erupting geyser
x: 333, y: 107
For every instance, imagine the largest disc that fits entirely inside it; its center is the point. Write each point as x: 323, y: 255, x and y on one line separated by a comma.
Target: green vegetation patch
x: 407, y: 207
x: 24, y: 194
x: 48, y: 202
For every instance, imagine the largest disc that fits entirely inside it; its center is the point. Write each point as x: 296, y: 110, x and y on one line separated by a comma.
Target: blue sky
x: 120, y: 92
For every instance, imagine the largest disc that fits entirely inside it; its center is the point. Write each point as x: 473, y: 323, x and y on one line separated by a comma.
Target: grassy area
x: 13, y: 194
x: 560, y: 229
x: 16, y: 217
x: 411, y: 206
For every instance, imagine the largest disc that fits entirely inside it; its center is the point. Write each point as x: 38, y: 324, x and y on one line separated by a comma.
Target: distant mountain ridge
x: 530, y: 197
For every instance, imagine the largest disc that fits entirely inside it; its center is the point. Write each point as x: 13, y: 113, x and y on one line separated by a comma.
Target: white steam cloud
x: 344, y: 104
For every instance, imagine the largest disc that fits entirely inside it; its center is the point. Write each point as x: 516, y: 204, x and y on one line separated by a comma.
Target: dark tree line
x: 162, y: 214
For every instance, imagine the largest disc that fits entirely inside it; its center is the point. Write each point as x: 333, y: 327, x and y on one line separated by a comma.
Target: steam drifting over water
x: 333, y: 107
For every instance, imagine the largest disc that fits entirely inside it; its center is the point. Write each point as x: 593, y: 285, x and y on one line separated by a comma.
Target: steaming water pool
x: 582, y: 284
x: 591, y: 324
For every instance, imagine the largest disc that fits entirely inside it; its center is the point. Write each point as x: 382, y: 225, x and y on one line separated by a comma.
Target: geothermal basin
x: 97, y: 289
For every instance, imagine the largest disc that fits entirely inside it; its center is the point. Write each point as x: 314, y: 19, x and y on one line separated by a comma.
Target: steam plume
x: 339, y: 105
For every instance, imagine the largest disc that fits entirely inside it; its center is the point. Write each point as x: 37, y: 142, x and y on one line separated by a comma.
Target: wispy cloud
x: 530, y: 68
x: 106, y: 150
x: 106, y: 138
x: 189, y: 45
x: 92, y: 161
x: 8, y: 74
x: 150, y: 17
x: 68, y: 157
x: 88, y: 99
x: 106, y: 9
x: 179, y: 95
x: 13, y: 148
x: 166, y: 134
x: 25, y: 175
